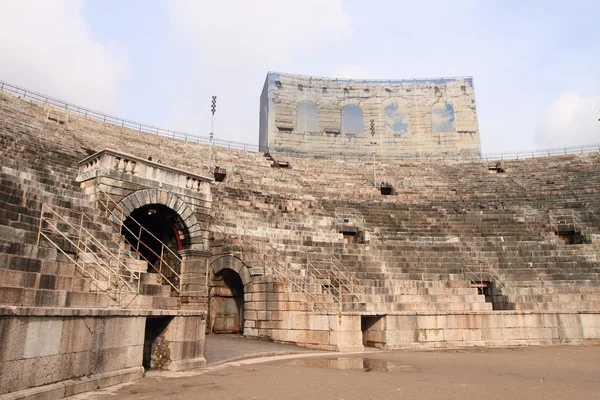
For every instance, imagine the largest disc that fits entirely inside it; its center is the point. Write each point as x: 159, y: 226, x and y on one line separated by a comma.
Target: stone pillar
x: 345, y: 333
x: 194, y: 275
x: 185, y: 338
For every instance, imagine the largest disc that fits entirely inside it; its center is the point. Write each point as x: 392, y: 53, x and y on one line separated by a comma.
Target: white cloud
x: 570, y: 121
x: 265, y: 30
x: 46, y: 46
x: 234, y: 44
x: 346, y: 71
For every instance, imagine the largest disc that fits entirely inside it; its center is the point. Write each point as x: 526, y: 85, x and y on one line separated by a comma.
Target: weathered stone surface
x: 415, y: 276
x: 405, y: 122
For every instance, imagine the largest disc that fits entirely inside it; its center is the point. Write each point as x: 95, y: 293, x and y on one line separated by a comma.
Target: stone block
x: 515, y: 334
x: 114, y: 358
x: 13, y: 333
x: 43, y: 337
x: 346, y: 339
x: 471, y: 335
x: 77, y: 334
x: 315, y: 337
x: 349, y: 323
x: 250, y: 315
x: 463, y: 321
x: 431, y: 322
x: 260, y: 296
x: 591, y: 332
x: 250, y: 332
x: 429, y: 335
x: 262, y: 316
x: 276, y: 315
x: 400, y: 338
x: 276, y: 306
x: 187, y: 364
x: 184, y: 328
x: 318, y: 322
x: 539, y: 333
x: 287, y: 336
x: 453, y: 335
x: 186, y: 350
x: 120, y: 332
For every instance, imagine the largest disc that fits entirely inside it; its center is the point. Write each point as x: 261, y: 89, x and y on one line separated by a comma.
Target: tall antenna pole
x: 373, y: 144
x: 213, y: 109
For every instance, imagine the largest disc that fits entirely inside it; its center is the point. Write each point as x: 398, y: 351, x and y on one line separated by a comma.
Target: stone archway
x: 230, y: 281
x: 189, y: 230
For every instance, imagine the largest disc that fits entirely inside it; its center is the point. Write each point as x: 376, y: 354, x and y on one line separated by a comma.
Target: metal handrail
x: 334, y: 268
x: 82, y: 246
x: 419, y: 158
x: 351, y: 214
x: 572, y: 218
x: 106, y: 207
x: 484, y: 269
x: 124, y: 123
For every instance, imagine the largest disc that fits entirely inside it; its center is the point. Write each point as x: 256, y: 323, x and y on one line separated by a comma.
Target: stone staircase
x: 503, y: 217
x: 34, y: 174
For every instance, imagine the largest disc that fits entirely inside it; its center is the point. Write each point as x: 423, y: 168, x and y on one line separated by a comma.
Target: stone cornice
x: 119, y: 154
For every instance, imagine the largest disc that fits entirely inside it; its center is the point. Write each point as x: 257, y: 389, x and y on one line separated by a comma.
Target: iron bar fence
x: 358, y: 156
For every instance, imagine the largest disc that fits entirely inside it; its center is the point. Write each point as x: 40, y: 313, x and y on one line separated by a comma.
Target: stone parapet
x: 118, y: 161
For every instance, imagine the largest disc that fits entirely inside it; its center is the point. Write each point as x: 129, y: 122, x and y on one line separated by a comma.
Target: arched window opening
x: 442, y: 118
x: 352, y: 119
x: 307, y: 117
x: 396, y: 119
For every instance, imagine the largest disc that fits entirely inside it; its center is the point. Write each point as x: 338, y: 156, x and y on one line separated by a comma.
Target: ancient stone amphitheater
x: 112, y: 263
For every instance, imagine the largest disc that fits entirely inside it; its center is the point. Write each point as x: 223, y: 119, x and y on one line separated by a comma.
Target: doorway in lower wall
x: 372, y: 330
x: 157, y: 354
x: 226, y: 303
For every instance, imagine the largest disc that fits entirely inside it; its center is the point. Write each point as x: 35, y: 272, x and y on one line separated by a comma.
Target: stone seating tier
x: 36, y: 170
x: 292, y: 208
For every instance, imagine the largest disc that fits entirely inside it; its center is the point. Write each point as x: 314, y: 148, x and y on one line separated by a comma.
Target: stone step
x: 26, y: 297
x: 15, y: 278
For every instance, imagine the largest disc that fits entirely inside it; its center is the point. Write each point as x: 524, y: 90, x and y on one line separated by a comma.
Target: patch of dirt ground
x: 561, y: 372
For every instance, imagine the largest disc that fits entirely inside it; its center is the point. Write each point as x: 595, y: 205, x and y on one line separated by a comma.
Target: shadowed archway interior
x: 227, y: 303
x: 147, y: 228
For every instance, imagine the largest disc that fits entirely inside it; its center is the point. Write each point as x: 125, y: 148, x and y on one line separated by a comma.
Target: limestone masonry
x: 424, y: 119
x: 113, y: 263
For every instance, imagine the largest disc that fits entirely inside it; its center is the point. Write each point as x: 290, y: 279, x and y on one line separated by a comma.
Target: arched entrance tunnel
x: 147, y: 228
x: 226, y: 303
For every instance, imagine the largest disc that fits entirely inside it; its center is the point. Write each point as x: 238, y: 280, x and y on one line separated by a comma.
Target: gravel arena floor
x: 560, y: 372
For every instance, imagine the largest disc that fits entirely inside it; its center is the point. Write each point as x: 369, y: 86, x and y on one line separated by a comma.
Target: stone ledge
x: 441, y: 313
x: 144, y: 161
x: 93, y: 312
x: 184, y: 365
x: 71, y: 387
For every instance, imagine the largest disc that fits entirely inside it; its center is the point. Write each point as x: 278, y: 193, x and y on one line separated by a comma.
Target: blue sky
x: 536, y: 64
